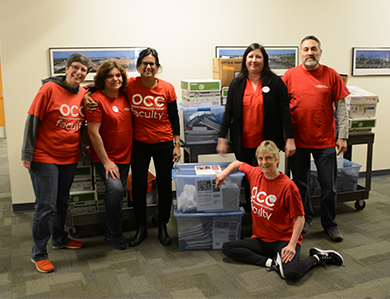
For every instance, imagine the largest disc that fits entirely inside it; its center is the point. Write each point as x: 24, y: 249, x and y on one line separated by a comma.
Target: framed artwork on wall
x: 281, y: 58
x: 127, y: 57
x: 371, y: 61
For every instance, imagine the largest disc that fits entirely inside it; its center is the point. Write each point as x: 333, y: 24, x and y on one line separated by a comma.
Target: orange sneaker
x: 44, y: 266
x: 73, y: 244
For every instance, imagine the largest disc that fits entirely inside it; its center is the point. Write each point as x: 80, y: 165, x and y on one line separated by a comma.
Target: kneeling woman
x: 110, y: 130
x: 278, y: 219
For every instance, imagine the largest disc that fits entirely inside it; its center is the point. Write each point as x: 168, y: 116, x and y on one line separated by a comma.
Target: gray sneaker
x: 334, y: 234
x: 327, y: 257
x: 306, y: 227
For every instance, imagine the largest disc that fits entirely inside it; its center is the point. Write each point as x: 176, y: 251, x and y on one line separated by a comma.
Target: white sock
x: 268, y: 263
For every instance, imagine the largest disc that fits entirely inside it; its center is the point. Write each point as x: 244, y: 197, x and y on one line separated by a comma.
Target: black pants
x: 140, y: 160
x: 256, y: 252
x: 247, y: 155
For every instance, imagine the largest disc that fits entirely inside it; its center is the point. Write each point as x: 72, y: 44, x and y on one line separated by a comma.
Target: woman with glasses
x: 110, y: 130
x: 156, y: 135
x: 50, y: 152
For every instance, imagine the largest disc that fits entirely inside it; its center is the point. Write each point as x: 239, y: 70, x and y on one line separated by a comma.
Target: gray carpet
x: 154, y: 271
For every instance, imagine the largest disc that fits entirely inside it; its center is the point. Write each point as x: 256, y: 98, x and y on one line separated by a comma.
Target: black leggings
x: 256, y: 252
x: 140, y: 160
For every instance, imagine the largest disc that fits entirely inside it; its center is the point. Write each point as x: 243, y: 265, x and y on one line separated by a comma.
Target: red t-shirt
x: 116, y: 127
x: 312, y: 94
x: 62, y: 115
x: 149, y: 107
x: 252, y: 116
x: 275, y: 203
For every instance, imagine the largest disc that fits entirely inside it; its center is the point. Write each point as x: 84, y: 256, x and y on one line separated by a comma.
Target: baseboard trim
x: 381, y: 172
x: 29, y: 207
x: 23, y: 207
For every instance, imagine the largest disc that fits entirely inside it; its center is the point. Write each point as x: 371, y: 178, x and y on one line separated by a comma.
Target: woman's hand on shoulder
x: 89, y: 104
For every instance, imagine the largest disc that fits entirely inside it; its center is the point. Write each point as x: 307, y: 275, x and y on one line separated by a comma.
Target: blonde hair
x: 268, y: 146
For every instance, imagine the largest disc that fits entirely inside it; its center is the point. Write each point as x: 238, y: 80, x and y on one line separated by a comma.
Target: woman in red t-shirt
x: 110, y: 130
x: 157, y: 136
x: 278, y: 219
x: 51, y: 151
x: 257, y: 109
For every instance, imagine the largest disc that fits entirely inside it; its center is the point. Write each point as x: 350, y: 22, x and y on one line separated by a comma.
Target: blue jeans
x: 113, y: 198
x: 325, y: 161
x: 51, y: 183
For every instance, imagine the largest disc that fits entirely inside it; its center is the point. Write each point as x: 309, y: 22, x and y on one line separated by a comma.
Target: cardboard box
x: 201, y: 85
x: 361, y: 123
x: 82, y: 202
x: 361, y: 111
x: 201, y: 99
x: 151, y: 183
x: 224, y: 94
x: 225, y: 69
x: 360, y: 96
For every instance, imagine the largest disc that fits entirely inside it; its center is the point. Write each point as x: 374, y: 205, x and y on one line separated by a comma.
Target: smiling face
x: 310, y: 54
x: 113, y: 81
x: 75, y: 74
x: 148, y: 67
x: 255, y: 62
x: 268, y: 163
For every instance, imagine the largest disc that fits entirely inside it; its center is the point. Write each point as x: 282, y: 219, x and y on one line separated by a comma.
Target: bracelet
x: 176, y: 142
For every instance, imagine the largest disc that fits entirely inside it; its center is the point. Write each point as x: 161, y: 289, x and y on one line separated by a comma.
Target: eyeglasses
x: 145, y: 63
x: 76, y: 68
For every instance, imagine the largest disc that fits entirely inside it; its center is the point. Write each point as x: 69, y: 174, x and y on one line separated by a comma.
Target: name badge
x: 266, y: 89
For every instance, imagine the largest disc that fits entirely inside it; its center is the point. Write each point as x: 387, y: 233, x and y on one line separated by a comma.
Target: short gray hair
x: 78, y: 57
x: 313, y: 38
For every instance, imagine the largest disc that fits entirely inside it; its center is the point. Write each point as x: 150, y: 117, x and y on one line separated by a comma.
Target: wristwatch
x: 176, y: 142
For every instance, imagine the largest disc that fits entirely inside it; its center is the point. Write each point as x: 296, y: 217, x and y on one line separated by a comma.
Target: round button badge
x: 266, y: 89
x: 115, y: 109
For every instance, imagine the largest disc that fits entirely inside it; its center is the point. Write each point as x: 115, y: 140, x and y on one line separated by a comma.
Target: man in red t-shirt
x: 314, y: 91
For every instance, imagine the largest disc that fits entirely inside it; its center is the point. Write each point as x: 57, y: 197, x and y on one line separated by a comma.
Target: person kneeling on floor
x: 278, y: 219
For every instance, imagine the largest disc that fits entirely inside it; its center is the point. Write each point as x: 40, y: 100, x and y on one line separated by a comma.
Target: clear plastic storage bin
x: 201, y: 231
x: 200, y: 124
x: 197, y: 193
x: 347, y: 177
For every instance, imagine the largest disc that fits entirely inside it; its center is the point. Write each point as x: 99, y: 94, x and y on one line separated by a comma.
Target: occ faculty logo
x: 262, y: 198
x: 262, y: 203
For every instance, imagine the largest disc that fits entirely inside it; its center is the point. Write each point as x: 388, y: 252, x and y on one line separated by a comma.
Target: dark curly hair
x: 103, y: 71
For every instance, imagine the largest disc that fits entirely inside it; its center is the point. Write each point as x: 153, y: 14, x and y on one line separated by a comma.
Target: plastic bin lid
x: 188, y: 170
x: 239, y: 212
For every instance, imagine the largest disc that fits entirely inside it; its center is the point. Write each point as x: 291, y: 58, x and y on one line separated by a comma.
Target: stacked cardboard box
x: 225, y: 69
x: 361, y: 106
x: 201, y: 93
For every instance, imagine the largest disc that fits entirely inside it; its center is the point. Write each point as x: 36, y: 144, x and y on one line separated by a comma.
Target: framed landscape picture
x: 281, y: 58
x: 127, y: 57
x: 371, y: 61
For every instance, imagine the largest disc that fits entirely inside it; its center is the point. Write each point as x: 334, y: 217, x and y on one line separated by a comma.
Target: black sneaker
x: 277, y: 266
x: 327, y: 257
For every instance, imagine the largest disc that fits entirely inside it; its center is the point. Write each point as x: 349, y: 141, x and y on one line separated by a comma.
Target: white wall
x: 185, y: 34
